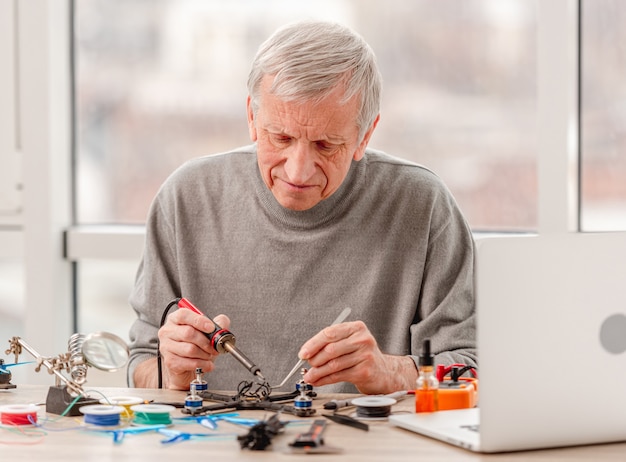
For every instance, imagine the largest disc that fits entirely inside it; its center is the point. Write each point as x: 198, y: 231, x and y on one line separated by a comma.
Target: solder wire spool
x: 125, y: 401
x: 373, y: 407
x: 18, y: 414
x: 102, y: 415
x: 152, y: 414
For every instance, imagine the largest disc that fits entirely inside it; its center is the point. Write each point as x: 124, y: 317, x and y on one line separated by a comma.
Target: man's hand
x: 348, y: 352
x: 184, y: 347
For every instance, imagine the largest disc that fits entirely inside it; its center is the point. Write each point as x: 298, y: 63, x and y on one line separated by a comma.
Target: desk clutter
x: 120, y: 417
x: 69, y: 407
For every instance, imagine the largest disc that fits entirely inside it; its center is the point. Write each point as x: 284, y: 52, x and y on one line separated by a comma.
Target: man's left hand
x: 348, y: 352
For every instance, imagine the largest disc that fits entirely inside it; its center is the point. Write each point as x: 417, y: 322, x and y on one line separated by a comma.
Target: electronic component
x: 199, y: 383
x: 459, y: 395
x: 303, y: 402
x: 312, y: 441
x: 5, y: 375
x: 193, y: 402
x: 260, y: 435
x: 455, y: 391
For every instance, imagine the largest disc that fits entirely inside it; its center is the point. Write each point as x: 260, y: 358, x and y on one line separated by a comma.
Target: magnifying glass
x: 105, y: 351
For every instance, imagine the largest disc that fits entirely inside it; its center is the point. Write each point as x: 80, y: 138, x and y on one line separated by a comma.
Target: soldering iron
x: 223, y: 341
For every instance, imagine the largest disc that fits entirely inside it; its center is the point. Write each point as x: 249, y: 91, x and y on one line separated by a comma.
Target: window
x: 603, y: 116
x: 160, y: 82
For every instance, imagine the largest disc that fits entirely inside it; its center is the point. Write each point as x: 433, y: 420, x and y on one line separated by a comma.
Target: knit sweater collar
x: 325, y: 211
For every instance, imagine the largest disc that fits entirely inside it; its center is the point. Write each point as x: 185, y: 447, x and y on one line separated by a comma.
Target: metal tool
x: 101, y: 350
x: 223, y: 341
x: 341, y: 318
x: 335, y: 404
x: 347, y: 420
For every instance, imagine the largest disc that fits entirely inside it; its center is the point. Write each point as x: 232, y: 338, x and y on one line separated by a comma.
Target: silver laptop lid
x: 551, y: 340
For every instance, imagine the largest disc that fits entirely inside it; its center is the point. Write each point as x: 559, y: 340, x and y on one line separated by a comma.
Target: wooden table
x: 65, y: 440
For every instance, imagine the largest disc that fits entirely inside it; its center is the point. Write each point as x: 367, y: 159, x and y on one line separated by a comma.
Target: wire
x: 159, y: 365
x: 245, y: 390
x: 456, y: 373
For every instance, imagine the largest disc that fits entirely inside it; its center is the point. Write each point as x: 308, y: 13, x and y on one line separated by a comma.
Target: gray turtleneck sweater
x: 390, y: 243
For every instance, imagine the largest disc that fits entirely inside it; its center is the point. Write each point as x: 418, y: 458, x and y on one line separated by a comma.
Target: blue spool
x: 102, y: 415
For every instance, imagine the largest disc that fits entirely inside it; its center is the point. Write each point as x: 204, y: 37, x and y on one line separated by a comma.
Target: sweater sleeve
x: 447, y: 304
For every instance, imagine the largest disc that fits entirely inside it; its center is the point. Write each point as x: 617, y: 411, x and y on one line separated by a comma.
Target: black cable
x: 456, y: 372
x: 163, y: 318
x: 245, y: 390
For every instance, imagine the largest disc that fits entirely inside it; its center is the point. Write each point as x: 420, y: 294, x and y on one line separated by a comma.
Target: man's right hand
x: 184, y: 347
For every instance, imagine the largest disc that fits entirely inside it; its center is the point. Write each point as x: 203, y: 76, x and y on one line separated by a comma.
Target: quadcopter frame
x: 260, y: 398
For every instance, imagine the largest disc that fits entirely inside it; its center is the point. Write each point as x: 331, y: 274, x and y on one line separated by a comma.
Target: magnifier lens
x: 105, y: 351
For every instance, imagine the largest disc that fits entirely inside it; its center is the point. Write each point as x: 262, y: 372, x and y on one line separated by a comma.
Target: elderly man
x: 281, y: 235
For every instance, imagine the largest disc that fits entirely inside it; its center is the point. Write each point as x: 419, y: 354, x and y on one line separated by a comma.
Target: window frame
x: 40, y: 61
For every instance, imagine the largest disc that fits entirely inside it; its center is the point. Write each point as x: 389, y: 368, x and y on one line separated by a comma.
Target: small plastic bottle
x: 427, y: 390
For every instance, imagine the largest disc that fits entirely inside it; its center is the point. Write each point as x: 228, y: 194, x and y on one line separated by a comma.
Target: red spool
x: 18, y: 414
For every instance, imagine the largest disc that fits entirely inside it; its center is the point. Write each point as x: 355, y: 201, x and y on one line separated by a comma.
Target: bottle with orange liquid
x: 427, y: 390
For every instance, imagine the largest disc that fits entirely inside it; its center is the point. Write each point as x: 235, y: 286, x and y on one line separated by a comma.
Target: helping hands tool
x: 341, y: 318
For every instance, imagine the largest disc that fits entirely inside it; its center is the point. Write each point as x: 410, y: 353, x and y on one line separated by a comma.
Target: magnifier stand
x: 99, y: 349
x: 59, y: 400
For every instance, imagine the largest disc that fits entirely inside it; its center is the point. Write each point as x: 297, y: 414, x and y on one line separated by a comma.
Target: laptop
x: 551, y: 332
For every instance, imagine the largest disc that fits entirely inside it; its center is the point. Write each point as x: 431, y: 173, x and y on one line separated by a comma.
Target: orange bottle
x: 427, y: 390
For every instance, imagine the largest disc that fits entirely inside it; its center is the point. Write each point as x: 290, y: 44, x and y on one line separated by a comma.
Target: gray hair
x: 309, y: 59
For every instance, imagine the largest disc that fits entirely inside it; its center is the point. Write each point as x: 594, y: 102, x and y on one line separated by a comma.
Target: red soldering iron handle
x: 219, y: 336
x: 184, y: 303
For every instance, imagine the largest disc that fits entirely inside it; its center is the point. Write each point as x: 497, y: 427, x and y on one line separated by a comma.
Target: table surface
x: 66, y: 438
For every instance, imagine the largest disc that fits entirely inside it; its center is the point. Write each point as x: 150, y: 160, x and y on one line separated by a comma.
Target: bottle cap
x: 426, y: 358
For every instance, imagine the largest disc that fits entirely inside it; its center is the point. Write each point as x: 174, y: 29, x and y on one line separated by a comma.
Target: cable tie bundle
x: 102, y: 415
x: 152, y: 414
x: 373, y: 407
x: 18, y: 414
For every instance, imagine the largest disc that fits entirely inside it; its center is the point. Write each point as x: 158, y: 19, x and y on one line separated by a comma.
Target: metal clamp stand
x: 100, y: 349
x: 61, y: 398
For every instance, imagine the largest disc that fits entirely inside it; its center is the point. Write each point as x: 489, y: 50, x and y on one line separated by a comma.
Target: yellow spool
x: 126, y: 402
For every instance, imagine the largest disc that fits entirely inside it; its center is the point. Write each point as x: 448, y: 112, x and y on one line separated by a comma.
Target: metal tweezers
x: 342, y: 316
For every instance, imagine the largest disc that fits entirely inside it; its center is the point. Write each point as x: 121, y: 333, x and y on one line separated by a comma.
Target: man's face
x: 304, y: 149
